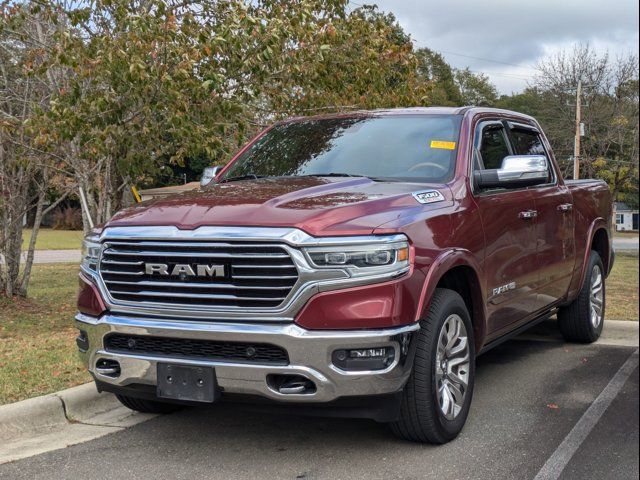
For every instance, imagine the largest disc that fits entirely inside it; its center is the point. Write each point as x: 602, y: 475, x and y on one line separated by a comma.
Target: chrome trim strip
x: 194, y: 285
x: 290, y: 236
x: 153, y: 253
x: 185, y: 329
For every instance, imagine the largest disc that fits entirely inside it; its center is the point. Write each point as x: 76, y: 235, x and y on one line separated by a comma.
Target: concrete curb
x: 76, y: 404
x: 84, y: 402
x: 620, y: 333
x: 28, y: 415
x: 61, y: 419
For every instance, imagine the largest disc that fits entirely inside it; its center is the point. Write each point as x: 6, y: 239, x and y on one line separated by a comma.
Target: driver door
x: 510, y: 245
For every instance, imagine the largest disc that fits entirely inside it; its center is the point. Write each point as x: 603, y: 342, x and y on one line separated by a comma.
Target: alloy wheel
x: 452, y: 366
x: 596, y: 298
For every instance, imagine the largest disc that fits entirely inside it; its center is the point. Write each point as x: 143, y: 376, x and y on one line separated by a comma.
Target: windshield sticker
x: 443, y: 145
x: 428, y: 196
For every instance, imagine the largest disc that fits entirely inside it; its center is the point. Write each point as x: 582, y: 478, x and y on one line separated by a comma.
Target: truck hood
x: 317, y: 205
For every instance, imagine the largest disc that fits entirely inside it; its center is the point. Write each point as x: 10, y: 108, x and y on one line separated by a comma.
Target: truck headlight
x: 362, y: 260
x: 90, y: 252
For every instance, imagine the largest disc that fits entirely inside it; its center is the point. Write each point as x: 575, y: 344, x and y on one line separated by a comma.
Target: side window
x: 528, y: 142
x: 493, y: 147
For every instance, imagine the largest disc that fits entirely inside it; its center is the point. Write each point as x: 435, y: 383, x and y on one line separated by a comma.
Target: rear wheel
x: 437, y: 396
x: 582, y: 320
x: 146, y: 406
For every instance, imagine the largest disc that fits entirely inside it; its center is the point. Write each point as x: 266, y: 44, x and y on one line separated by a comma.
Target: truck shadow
x: 241, y: 425
x: 524, y: 389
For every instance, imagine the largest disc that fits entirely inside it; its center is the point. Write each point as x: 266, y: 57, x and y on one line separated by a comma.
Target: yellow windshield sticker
x: 443, y: 145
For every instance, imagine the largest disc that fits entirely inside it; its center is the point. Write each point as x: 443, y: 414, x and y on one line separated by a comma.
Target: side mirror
x: 517, y: 171
x: 208, y: 174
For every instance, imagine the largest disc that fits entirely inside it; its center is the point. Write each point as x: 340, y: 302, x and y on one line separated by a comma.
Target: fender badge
x: 428, y: 196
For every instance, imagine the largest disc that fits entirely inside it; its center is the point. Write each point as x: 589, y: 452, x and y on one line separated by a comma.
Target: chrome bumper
x: 309, y: 356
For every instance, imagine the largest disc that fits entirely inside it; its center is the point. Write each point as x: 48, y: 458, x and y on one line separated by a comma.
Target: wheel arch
x: 598, y: 239
x: 600, y: 243
x: 457, y: 270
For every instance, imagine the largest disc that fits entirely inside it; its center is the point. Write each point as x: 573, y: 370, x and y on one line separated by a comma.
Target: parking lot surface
x: 531, y: 394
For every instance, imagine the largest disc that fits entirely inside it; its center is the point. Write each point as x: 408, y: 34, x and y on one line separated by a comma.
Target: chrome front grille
x: 255, y: 276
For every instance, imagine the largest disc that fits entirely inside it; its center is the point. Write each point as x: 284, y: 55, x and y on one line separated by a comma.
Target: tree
x: 445, y: 91
x: 117, y: 90
x: 475, y: 88
x: 26, y: 36
x: 154, y: 81
x: 609, y: 149
x: 530, y: 102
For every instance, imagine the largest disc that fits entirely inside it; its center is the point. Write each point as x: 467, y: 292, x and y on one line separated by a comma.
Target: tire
x: 579, y: 321
x: 422, y: 418
x: 147, y: 406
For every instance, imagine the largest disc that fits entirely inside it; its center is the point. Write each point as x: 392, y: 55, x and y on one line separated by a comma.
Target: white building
x: 626, y: 218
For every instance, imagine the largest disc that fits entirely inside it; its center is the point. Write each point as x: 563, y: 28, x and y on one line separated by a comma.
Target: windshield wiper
x: 340, y: 174
x: 331, y: 174
x: 248, y: 176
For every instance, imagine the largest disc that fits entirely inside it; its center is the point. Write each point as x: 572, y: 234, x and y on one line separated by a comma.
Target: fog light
x: 360, y: 359
x: 368, y: 353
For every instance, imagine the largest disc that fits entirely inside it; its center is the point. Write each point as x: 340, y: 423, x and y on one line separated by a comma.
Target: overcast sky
x: 510, y: 36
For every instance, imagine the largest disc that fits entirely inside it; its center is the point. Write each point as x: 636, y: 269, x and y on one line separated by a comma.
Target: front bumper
x: 309, y: 356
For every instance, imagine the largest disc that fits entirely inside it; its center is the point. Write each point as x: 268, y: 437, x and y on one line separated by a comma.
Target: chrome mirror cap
x: 208, y: 174
x: 517, y: 171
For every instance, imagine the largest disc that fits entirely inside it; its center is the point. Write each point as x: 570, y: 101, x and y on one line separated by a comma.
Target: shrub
x: 67, y: 218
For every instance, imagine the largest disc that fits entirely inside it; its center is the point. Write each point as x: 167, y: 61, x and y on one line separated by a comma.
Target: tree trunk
x: 26, y: 272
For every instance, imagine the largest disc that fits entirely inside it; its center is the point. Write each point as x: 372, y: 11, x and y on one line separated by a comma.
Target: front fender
x: 445, y: 262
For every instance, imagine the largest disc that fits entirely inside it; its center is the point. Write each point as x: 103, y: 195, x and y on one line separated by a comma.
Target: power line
x: 488, y: 60
x: 507, y: 75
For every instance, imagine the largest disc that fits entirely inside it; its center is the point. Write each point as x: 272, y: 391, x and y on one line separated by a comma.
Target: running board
x: 517, y: 331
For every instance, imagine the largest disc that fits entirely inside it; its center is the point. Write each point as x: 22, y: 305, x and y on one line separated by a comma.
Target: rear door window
x: 527, y: 142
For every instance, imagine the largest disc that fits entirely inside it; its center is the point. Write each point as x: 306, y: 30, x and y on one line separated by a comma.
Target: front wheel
x: 437, y: 396
x: 582, y: 320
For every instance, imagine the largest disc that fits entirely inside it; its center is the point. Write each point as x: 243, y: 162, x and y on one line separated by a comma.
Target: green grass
x: 622, y: 288
x: 37, y: 348
x: 49, y: 239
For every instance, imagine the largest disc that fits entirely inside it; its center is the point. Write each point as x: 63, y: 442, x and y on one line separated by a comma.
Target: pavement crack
x: 72, y: 420
x: 64, y: 410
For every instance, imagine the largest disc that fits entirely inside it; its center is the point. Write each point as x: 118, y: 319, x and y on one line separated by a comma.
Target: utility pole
x: 576, y: 144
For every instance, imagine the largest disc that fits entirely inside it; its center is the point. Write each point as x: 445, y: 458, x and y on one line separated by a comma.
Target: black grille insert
x: 205, y: 349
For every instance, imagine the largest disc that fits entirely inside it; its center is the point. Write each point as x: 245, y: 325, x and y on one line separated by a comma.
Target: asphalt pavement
x: 51, y: 256
x: 532, y: 395
x: 626, y: 243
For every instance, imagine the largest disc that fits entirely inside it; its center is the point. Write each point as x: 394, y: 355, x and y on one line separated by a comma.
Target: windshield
x: 401, y: 148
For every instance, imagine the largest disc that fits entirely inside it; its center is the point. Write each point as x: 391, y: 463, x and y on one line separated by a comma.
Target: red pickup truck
x: 349, y: 265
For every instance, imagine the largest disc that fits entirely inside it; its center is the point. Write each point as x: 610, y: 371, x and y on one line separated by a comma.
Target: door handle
x: 565, y: 207
x: 528, y: 214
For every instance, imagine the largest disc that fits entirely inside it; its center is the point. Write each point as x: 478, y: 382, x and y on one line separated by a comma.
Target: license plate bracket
x: 187, y: 383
